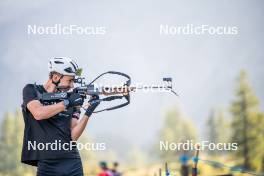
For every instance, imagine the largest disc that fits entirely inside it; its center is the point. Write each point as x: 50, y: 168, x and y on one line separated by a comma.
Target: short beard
x: 63, y: 88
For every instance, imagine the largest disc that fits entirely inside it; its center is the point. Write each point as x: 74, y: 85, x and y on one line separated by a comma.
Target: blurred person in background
x: 115, y: 169
x: 104, y: 169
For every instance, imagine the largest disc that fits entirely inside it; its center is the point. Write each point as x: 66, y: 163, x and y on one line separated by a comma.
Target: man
x: 104, y: 169
x: 115, y: 169
x: 184, y: 159
x: 54, y: 125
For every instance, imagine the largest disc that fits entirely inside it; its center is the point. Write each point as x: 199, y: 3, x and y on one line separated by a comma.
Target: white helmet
x: 64, y: 66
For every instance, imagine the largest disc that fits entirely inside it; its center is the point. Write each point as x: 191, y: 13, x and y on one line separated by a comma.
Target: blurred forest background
x: 241, y: 123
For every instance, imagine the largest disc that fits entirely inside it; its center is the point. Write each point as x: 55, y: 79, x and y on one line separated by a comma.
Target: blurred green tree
x: 247, y: 125
x: 89, y: 157
x: 137, y: 158
x: 6, y: 144
x: 218, y: 129
x: 176, y: 129
x: 11, y: 145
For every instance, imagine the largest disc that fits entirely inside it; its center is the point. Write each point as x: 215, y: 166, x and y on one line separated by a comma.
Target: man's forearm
x: 45, y: 112
x: 79, y: 128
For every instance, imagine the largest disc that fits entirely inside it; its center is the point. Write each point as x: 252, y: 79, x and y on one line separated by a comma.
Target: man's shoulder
x: 29, y: 88
x: 29, y: 94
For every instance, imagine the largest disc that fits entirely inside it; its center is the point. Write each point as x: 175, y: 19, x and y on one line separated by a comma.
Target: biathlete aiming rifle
x: 109, y: 93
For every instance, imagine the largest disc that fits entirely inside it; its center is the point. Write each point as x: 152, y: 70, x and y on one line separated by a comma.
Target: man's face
x: 67, y: 82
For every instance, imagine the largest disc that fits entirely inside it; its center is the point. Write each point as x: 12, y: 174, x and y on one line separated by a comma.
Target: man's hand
x: 93, y: 105
x: 75, y: 99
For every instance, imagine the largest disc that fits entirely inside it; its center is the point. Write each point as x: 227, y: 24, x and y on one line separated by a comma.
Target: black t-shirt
x: 45, y: 139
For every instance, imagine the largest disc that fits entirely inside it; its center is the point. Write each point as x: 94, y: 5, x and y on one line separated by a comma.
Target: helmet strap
x: 57, y: 83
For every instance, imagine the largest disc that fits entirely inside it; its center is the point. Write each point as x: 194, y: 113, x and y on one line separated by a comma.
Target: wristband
x: 91, y: 108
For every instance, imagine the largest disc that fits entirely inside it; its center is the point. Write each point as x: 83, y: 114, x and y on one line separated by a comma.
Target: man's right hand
x: 75, y: 99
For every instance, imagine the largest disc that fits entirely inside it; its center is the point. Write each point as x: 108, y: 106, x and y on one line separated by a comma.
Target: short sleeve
x: 29, y: 94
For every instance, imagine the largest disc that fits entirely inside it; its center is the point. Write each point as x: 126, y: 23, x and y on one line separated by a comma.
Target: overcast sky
x: 203, y: 67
